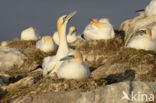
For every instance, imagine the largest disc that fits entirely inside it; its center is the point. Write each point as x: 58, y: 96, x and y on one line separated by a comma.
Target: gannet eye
x: 71, y: 56
x: 142, y: 32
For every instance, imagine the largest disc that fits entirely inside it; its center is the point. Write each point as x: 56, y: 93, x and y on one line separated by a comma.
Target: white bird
x: 71, y: 36
x: 73, y: 67
x: 99, y: 29
x: 150, y: 9
x: 4, y: 43
x: 56, y: 38
x: 52, y: 63
x: 46, y: 44
x: 30, y: 33
x: 143, y: 40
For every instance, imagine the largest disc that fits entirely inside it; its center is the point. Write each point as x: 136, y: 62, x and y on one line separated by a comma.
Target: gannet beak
x: 140, y: 10
x: 67, y: 58
x: 69, y: 16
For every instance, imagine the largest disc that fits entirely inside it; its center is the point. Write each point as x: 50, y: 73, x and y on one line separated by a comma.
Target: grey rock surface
x: 10, y: 58
x: 108, y: 94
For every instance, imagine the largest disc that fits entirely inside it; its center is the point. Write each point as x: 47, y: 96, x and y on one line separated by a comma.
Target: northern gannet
x: 99, y: 29
x: 71, y: 36
x: 143, y: 40
x: 150, y: 9
x: 46, y: 44
x: 4, y: 43
x: 73, y: 67
x: 52, y: 63
x: 30, y: 33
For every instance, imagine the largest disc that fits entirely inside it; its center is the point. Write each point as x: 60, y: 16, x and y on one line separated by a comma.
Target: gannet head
x: 95, y: 22
x: 144, y: 32
x: 47, y: 39
x: 74, y: 55
x: 104, y: 20
x: 4, y: 43
x: 72, y: 30
x: 63, y: 20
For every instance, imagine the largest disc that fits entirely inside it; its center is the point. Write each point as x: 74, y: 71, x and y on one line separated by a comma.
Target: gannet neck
x: 63, y: 46
x: 148, y: 32
x: 78, y: 56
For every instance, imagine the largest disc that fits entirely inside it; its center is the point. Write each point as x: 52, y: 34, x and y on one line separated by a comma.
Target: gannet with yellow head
x: 52, y: 63
x: 143, y: 40
x: 30, y: 33
x: 73, y: 67
x: 150, y: 9
x: 99, y: 29
x: 4, y: 43
x: 46, y: 44
x: 71, y: 36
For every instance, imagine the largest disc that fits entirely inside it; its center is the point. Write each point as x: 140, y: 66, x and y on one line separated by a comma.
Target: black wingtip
x: 82, y: 36
x: 140, y: 10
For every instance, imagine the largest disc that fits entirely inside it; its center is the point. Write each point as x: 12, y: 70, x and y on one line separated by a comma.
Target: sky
x: 17, y: 15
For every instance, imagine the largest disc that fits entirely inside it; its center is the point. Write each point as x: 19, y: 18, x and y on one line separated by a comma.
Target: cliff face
x: 114, y: 69
x: 108, y: 94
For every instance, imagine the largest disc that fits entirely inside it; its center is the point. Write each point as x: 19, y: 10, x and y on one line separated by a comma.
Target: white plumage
x: 30, y: 33
x: 56, y: 38
x: 46, y: 44
x: 143, y: 41
x: 73, y: 67
x: 52, y: 63
x: 99, y: 29
x: 150, y: 9
x: 71, y: 37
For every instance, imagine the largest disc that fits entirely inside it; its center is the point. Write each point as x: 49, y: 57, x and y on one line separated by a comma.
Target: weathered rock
x: 27, y: 81
x: 132, y: 25
x: 108, y: 94
x: 4, y: 78
x: 141, y: 63
x: 10, y: 58
x: 95, y: 52
x: 33, y: 59
x: 2, y: 92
